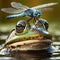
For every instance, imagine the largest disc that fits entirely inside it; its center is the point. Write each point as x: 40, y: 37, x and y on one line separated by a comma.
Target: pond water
x: 33, y: 56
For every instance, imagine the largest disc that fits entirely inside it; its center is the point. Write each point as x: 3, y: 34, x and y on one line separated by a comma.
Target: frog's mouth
x: 29, y: 41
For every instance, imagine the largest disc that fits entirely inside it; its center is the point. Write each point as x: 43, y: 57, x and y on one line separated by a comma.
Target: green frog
x: 28, y: 37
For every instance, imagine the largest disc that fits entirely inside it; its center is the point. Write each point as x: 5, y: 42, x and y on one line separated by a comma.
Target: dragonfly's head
x: 37, y: 13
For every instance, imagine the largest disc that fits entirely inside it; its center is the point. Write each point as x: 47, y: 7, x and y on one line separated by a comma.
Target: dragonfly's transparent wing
x: 46, y: 9
x: 18, y: 5
x: 44, y: 5
x: 11, y: 10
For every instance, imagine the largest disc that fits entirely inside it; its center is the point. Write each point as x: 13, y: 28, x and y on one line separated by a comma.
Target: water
x: 32, y: 56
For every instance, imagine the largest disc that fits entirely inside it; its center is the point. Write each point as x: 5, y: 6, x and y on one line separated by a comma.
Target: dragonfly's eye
x: 20, y: 26
x: 37, y: 13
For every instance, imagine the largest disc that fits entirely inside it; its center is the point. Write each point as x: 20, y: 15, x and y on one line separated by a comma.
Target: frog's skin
x: 29, y: 40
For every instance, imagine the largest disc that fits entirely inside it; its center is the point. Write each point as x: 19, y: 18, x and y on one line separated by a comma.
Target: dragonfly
x: 20, y: 10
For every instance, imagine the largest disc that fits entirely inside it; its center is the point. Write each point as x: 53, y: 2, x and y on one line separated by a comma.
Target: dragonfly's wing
x: 11, y: 10
x: 44, y: 5
x: 18, y: 5
x: 46, y: 9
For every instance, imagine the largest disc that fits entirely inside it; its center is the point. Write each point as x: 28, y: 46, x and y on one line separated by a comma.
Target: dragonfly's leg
x: 37, y: 18
x: 29, y: 19
x: 29, y: 26
x: 34, y: 20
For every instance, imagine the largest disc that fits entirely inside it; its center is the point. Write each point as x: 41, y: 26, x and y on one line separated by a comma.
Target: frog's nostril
x: 18, y: 45
x: 12, y: 46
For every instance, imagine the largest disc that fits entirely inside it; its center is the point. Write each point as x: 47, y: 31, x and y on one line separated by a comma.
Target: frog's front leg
x: 4, y: 51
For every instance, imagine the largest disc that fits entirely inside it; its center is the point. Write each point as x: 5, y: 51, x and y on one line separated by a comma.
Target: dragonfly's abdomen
x: 16, y: 15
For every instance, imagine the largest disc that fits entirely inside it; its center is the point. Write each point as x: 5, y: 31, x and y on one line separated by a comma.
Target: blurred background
x: 52, y: 16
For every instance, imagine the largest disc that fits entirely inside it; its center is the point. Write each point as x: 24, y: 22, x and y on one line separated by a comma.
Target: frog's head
x: 24, y: 38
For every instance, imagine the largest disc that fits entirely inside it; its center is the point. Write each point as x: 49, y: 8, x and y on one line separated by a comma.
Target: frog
x: 29, y: 37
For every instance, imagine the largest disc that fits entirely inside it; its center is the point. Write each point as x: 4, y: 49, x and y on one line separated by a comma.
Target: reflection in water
x: 33, y: 55
x: 7, y: 58
x: 27, y: 55
x: 30, y: 55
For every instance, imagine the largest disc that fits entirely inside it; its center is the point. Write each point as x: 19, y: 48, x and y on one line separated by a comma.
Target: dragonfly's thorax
x: 32, y: 13
x: 36, y: 13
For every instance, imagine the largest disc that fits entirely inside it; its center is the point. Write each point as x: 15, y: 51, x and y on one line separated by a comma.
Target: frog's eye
x: 43, y: 23
x: 20, y: 26
x: 38, y: 24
